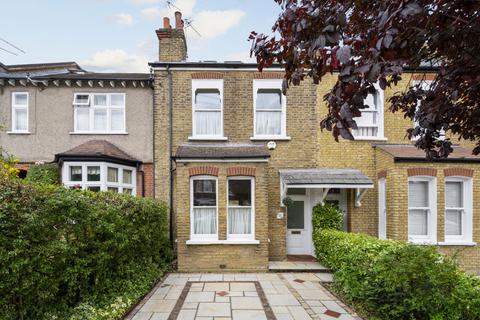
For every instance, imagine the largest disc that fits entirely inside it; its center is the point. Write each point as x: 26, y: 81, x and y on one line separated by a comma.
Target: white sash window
x: 370, y: 123
x: 204, y: 209
x: 207, y: 109
x: 458, y: 210
x: 269, y: 109
x: 421, y: 209
x: 241, y: 213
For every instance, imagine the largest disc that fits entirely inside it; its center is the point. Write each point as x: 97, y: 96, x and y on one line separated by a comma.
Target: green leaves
x: 326, y: 216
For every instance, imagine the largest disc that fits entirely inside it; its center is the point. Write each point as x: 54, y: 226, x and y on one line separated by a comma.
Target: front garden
x: 387, y: 279
x: 72, y: 254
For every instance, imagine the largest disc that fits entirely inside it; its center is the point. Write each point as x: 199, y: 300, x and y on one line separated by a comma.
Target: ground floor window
x: 204, y: 209
x: 100, y: 176
x: 240, y: 208
x: 422, y: 209
x: 458, y: 210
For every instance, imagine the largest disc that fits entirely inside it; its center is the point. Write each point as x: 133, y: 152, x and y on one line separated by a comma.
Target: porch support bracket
x: 323, y: 195
x: 359, y: 193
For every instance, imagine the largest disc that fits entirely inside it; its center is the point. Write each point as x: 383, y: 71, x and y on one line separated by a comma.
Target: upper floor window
x: 100, y: 176
x: 20, y: 112
x: 207, y: 109
x: 241, y: 213
x: 204, y: 208
x: 370, y: 123
x: 270, y: 107
x: 99, y: 112
x: 458, y: 210
x: 422, y: 209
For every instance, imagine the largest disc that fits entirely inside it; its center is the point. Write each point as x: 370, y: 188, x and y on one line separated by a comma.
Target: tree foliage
x: 370, y: 42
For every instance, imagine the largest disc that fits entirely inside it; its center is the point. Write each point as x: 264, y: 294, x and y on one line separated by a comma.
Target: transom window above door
x: 207, y: 110
x: 269, y: 110
x: 99, y: 113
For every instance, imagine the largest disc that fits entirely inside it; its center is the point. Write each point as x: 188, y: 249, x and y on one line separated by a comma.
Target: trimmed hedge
x: 44, y: 173
x: 326, y: 216
x: 72, y: 254
x: 396, y: 280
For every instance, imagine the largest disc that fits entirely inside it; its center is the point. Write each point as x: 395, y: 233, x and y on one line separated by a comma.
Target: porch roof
x: 325, y: 178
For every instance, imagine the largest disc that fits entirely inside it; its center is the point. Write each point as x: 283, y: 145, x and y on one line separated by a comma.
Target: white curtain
x: 83, y: 116
x: 204, y: 220
x: 208, y: 123
x: 239, y: 220
x: 453, y: 222
x: 117, y: 119
x: 418, y: 222
x: 21, y: 119
x: 269, y: 123
x: 418, y: 194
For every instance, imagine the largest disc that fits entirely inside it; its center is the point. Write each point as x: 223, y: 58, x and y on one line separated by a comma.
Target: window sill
x: 370, y: 139
x: 208, y: 138
x: 18, y: 132
x: 457, y: 243
x: 422, y: 242
x: 267, y: 138
x: 99, y: 133
x: 209, y: 242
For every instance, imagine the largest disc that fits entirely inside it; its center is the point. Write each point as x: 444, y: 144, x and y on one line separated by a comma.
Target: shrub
x: 395, y: 280
x: 65, y: 253
x: 44, y: 173
x: 327, y: 216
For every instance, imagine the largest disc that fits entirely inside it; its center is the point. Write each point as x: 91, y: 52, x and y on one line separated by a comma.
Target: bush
x: 327, y: 216
x: 71, y: 254
x: 44, y: 173
x: 395, y: 280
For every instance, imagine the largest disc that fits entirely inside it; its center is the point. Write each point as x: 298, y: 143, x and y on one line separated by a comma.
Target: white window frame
x: 467, y: 216
x: 269, y: 84
x: 92, y: 108
x: 207, y: 84
x: 382, y: 214
x: 431, y: 236
x: 16, y: 107
x: 380, y: 117
x: 250, y: 236
x: 103, y: 183
x: 204, y: 237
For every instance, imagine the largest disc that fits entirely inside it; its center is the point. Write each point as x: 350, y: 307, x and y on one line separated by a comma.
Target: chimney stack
x: 171, y: 42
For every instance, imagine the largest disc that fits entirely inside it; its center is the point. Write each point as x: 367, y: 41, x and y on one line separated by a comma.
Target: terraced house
x: 232, y: 148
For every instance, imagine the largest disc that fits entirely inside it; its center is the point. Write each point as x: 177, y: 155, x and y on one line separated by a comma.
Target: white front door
x: 382, y: 209
x: 339, y: 197
x: 299, y: 230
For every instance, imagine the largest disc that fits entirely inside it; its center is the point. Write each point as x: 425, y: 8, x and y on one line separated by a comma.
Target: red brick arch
x: 422, y: 172
x: 203, y: 171
x: 241, y: 171
x: 458, y: 172
x: 268, y: 75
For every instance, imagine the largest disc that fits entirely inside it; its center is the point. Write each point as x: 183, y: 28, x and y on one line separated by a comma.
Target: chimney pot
x: 178, y: 20
x: 166, y: 23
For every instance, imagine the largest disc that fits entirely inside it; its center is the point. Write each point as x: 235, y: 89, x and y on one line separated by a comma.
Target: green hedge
x: 395, y: 280
x: 72, y: 254
x: 327, y: 216
x: 44, y: 173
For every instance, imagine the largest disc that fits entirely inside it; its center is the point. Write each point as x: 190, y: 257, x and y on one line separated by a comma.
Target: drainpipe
x: 170, y: 139
x: 152, y: 85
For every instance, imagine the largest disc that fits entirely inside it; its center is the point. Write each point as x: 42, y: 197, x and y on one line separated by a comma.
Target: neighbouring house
x: 96, y: 126
x: 230, y: 148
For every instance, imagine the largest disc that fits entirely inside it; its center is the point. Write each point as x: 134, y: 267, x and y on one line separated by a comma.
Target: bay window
x: 207, y: 109
x: 100, y: 176
x: 269, y: 109
x: 422, y: 209
x: 99, y: 112
x: 204, y: 209
x: 241, y: 214
x: 458, y: 210
x: 20, y: 112
x: 370, y: 123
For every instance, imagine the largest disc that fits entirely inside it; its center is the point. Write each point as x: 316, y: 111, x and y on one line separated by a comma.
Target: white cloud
x: 185, y: 6
x: 243, y: 56
x: 123, y: 19
x: 137, y: 2
x: 211, y: 24
x: 116, y: 60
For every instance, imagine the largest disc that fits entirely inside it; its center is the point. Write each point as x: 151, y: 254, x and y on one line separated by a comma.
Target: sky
x: 119, y: 35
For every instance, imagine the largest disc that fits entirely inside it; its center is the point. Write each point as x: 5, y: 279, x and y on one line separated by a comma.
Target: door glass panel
x: 296, y: 216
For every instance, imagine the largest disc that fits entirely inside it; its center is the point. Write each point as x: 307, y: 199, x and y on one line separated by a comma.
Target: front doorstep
x: 296, y: 266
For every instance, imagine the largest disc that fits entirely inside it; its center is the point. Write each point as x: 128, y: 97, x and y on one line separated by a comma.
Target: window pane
x: 418, y: 194
x: 93, y: 173
x: 127, y: 190
x: 208, y: 123
x: 268, y: 123
x: 293, y: 191
x: 208, y: 99
x: 81, y: 99
x: 204, y: 221
x: 239, y: 192
x: 239, y: 220
x: 112, y: 175
x: 117, y: 100
x: 83, y: 118
x: 20, y: 119
x: 20, y: 99
x: 269, y: 99
x: 112, y: 189
x: 453, y: 223
x: 127, y: 176
x: 417, y: 222
x: 296, y: 215
x: 117, y: 122
x: 204, y: 193
x: 94, y: 188
x: 100, y: 99
x: 454, y: 194
x: 100, y: 120
x: 372, y: 101
x: 76, y: 173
